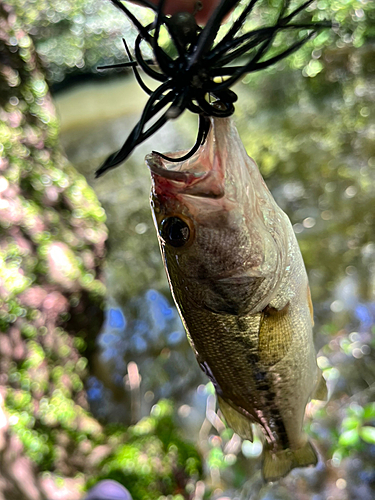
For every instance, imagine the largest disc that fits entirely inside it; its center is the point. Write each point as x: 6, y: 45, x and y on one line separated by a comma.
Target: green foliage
x: 154, y: 460
x: 312, y: 139
x: 355, y: 428
x: 79, y: 36
x: 308, y: 122
x: 52, y: 237
x: 75, y: 36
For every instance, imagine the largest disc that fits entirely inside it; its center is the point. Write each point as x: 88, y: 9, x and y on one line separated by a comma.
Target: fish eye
x: 175, y: 231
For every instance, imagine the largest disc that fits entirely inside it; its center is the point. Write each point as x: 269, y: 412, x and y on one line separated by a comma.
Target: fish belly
x: 260, y: 379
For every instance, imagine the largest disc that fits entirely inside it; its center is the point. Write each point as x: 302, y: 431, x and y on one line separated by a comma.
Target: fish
x: 239, y: 282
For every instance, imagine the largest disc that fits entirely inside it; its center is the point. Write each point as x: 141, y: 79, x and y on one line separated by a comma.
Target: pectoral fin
x: 310, y: 304
x: 275, y: 335
x: 236, y: 421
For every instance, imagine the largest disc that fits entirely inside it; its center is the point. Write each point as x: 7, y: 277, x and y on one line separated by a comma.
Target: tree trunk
x: 51, y: 251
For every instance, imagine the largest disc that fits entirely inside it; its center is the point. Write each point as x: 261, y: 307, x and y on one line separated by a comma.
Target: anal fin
x: 236, y: 421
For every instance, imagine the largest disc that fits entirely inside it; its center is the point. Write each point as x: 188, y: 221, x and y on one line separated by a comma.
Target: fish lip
x: 211, y: 172
x: 155, y: 164
x: 202, y: 184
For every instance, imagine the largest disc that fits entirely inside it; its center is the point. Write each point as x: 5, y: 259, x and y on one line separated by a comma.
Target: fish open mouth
x: 185, y: 171
x: 201, y: 175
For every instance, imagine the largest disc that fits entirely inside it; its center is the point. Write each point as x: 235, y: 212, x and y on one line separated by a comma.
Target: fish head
x: 216, y: 220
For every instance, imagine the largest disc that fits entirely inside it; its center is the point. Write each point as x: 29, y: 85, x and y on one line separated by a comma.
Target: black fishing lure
x: 190, y: 80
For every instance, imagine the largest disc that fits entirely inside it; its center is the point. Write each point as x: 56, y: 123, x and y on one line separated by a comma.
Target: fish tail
x: 278, y: 465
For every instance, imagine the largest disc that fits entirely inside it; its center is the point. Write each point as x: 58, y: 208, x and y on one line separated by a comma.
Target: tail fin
x: 278, y: 465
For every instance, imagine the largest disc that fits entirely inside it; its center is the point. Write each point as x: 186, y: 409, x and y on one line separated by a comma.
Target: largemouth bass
x: 239, y: 282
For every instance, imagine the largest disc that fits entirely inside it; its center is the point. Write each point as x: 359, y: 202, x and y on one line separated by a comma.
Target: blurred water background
x: 309, y: 123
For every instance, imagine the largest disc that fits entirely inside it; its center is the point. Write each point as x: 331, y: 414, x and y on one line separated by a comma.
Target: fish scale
x: 239, y: 376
